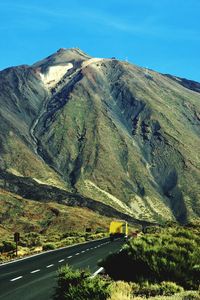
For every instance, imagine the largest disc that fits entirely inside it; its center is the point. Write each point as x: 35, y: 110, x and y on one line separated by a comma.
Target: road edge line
x: 97, y: 272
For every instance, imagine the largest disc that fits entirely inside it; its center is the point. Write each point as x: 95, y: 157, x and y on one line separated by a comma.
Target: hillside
x: 101, y: 130
x: 50, y: 219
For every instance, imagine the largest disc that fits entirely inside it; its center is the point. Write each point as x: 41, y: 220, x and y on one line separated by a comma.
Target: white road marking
x: 83, y: 251
x: 69, y: 256
x: 35, y: 271
x: 97, y: 272
x: 77, y: 253
x: 49, y: 266
x: 61, y: 260
x: 14, y: 279
x: 45, y: 252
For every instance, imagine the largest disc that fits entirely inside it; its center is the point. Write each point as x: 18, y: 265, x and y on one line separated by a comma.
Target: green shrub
x: 49, y: 246
x: 149, y: 290
x: 31, y: 239
x: 169, y: 288
x: 171, y: 255
x: 77, y: 284
x: 91, y: 237
x: 7, y: 246
x: 191, y: 296
x: 152, y: 229
x: 74, y: 240
x: 100, y: 230
x: 73, y: 234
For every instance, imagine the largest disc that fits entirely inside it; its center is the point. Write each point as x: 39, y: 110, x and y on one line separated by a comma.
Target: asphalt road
x: 35, y: 278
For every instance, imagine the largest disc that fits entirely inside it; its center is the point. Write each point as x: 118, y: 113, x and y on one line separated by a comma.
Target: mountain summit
x: 104, y: 130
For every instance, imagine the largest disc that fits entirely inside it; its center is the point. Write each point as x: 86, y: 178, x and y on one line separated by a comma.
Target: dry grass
x: 121, y: 290
x: 49, y: 220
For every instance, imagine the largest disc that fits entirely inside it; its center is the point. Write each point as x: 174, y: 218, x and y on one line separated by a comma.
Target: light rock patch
x: 55, y: 74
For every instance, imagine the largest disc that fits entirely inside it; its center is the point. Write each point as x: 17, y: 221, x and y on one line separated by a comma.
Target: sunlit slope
x: 48, y: 219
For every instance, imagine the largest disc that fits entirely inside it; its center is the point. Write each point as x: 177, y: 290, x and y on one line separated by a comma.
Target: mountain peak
x: 54, y: 67
x: 63, y: 56
x: 72, y: 50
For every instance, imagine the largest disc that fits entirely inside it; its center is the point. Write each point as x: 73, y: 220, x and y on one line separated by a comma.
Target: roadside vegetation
x: 163, y: 263
x: 45, y: 226
x: 173, y: 254
x: 34, y: 242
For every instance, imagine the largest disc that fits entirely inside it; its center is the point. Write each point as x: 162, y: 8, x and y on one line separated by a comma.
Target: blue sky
x: 163, y: 35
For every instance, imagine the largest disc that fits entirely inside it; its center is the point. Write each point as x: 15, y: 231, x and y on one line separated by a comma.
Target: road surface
x: 35, y: 278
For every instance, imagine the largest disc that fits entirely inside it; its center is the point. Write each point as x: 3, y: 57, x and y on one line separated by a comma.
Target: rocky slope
x: 104, y: 130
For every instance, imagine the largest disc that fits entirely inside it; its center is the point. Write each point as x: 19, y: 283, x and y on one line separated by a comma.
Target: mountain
x: 103, y: 134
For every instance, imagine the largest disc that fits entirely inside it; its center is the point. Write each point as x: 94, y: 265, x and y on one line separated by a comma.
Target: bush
x: 152, y: 229
x: 48, y: 246
x: 148, y: 289
x: 73, y: 234
x: 7, y: 246
x: 168, y: 288
x: 31, y: 239
x: 100, y: 230
x: 191, y: 296
x: 171, y: 255
x: 77, y: 284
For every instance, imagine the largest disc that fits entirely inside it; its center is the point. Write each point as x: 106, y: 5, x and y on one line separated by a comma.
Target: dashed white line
x: 77, y: 253
x: 83, y: 251
x: 43, y: 253
x: 69, y: 256
x: 49, y: 266
x: 35, y: 271
x: 14, y: 279
x: 61, y: 260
